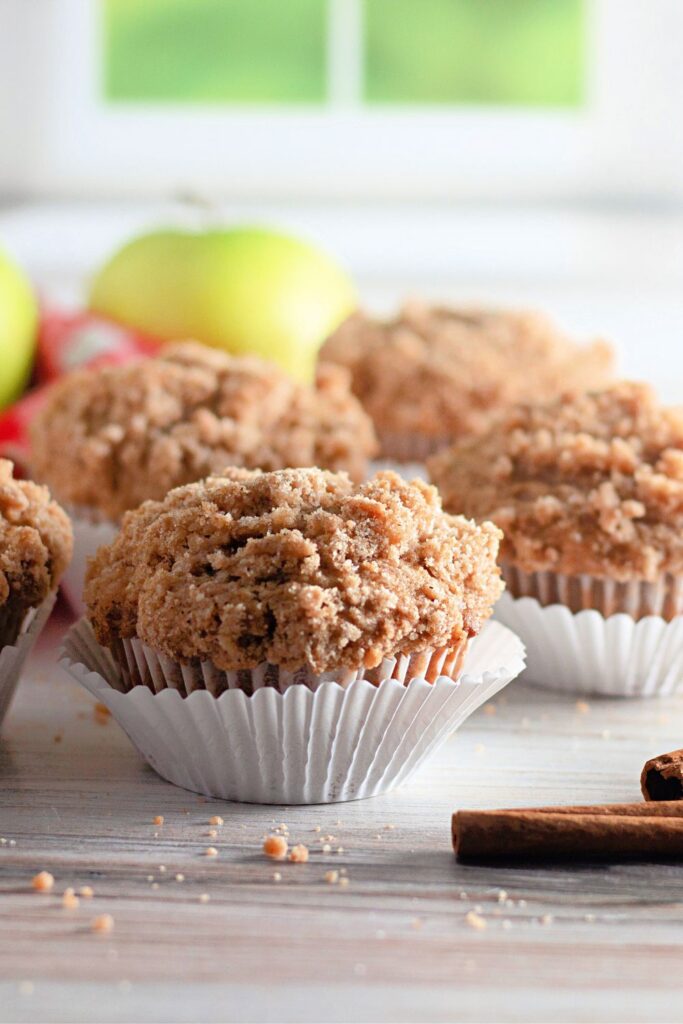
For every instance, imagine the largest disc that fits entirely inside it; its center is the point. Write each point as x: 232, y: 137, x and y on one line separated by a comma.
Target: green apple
x: 246, y: 290
x: 18, y: 324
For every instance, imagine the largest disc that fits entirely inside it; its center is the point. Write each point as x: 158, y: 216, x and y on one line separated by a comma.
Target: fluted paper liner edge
x: 588, y: 652
x: 302, y: 746
x: 13, y: 656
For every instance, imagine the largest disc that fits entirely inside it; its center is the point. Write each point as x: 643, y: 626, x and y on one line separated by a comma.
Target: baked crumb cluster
x: 297, y: 567
x: 447, y: 373
x: 112, y: 437
x: 589, y: 483
x: 35, y: 541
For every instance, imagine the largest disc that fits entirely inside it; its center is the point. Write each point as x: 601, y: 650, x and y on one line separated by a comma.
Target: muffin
x: 109, y: 438
x: 35, y: 547
x: 588, y: 490
x: 432, y: 376
x: 299, y: 570
x: 331, y: 620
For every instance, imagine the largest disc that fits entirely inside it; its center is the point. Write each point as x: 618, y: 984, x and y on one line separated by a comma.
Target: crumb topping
x: 589, y: 483
x: 43, y: 881
x: 275, y: 847
x: 35, y: 541
x: 447, y: 373
x: 297, y: 567
x: 102, y: 924
x: 109, y: 438
x: 70, y: 900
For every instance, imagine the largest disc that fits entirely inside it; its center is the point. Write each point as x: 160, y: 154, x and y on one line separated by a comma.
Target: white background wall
x: 60, y: 138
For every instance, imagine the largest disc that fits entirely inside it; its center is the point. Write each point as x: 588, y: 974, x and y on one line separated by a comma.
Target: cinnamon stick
x: 662, y: 777
x: 616, y: 832
x: 663, y: 809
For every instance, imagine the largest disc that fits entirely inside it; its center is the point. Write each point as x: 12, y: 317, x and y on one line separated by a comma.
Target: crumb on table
x: 275, y: 847
x: 43, y: 881
x: 102, y: 924
x: 70, y: 900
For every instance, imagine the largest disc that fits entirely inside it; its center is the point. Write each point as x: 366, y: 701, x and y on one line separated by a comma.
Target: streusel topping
x: 589, y: 483
x: 35, y: 541
x: 109, y: 438
x: 448, y: 373
x: 297, y: 567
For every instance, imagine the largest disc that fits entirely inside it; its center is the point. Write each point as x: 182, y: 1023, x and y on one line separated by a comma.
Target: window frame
x: 78, y: 143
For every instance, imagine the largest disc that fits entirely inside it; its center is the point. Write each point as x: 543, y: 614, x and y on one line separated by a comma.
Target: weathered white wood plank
x: 392, y: 946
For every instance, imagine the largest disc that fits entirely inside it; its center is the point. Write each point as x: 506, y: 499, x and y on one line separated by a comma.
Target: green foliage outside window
x: 443, y: 52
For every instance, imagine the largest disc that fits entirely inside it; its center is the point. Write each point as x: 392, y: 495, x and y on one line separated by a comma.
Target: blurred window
x: 512, y: 100
x: 523, y: 52
x: 402, y: 52
x: 215, y: 51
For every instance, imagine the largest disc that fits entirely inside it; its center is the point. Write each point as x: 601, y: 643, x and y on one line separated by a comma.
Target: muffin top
x: 588, y: 483
x: 109, y: 438
x: 35, y: 541
x: 296, y: 567
x: 446, y: 373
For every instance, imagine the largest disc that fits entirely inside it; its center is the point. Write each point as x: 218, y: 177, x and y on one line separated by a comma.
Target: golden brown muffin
x: 297, y: 567
x: 112, y: 437
x: 35, y: 546
x: 588, y: 483
x: 432, y: 375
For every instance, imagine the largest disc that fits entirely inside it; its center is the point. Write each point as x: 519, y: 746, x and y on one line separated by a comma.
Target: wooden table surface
x: 590, y: 943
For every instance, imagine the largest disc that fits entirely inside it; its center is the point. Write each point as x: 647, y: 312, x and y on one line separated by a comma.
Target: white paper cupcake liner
x: 141, y: 665
x: 636, y: 598
x: 300, y: 746
x: 587, y: 652
x: 89, y: 535
x: 13, y: 655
